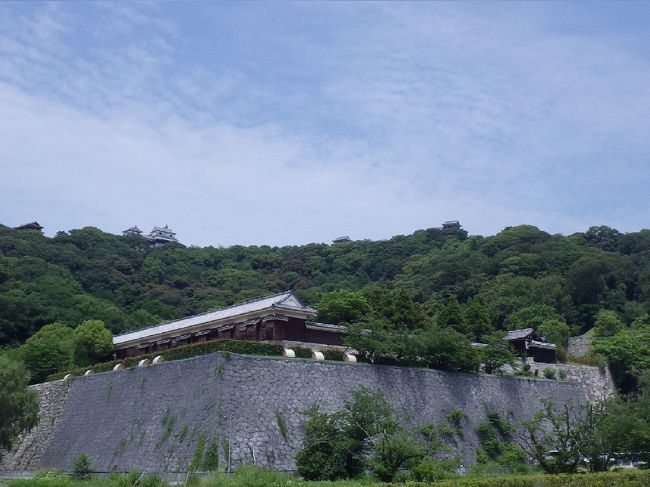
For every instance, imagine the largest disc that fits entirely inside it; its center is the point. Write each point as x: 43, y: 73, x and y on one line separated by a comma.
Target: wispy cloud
x: 279, y: 124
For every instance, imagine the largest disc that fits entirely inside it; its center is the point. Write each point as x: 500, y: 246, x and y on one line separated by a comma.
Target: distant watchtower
x: 132, y: 231
x: 342, y: 239
x: 451, y: 224
x: 29, y: 226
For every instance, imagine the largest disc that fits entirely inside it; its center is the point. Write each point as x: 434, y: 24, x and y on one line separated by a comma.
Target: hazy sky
x: 279, y: 123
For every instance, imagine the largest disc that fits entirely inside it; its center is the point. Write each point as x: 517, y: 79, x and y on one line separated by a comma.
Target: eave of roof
x: 519, y: 334
x: 544, y: 345
x: 312, y: 325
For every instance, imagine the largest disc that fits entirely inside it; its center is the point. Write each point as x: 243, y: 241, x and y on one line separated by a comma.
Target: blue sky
x: 286, y: 123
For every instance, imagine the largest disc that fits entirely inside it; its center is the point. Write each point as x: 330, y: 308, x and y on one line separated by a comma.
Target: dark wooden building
x: 527, y: 343
x: 278, y: 318
x: 29, y: 226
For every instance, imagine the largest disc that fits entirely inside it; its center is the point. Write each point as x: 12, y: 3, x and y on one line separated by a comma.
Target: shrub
x: 335, y: 355
x: 82, y: 467
x: 562, y: 374
x: 434, y: 470
x: 455, y: 416
x: 194, y: 350
x: 549, y: 373
x: 302, y: 352
x: 490, y: 443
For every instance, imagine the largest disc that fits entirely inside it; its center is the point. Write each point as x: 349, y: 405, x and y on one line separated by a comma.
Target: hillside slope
x: 88, y: 273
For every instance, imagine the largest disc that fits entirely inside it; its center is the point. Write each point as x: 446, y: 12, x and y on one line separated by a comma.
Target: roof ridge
x: 289, y: 292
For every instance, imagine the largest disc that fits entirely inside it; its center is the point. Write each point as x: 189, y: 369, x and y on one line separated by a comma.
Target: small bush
x: 562, y: 374
x: 335, y: 355
x: 549, y: 373
x: 302, y: 352
x: 503, y: 426
x: 188, y: 351
x: 82, y: 467
x: 455, y: 417
x: 433, y: 470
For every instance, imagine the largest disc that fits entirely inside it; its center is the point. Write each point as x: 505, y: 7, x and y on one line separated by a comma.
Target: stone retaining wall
x: 30, y: 447
x: 158, y: 418
x: 579, y: 346
x: 597, y: 383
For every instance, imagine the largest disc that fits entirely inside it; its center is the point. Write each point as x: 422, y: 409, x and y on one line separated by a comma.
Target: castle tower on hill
x: 132, y: 231
x: 161, y: 236
x: 158, y: 236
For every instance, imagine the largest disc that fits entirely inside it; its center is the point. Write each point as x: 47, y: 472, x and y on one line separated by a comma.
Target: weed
x: 197, y: 459
x: 455, y: 417
x: 168, y: 421
x: 183, y: 434
x: 121, y: 447
x: 220, y: 370
x: 282, y: 424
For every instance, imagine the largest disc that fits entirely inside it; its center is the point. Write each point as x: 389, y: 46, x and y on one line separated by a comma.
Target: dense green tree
x: 18, y: 404
x: 366, y: 433
x: 496, y: 353
x: 555, y: 331
x: 327, y: 452
x: 603, y: 237
x: 531, y: 317
x: 48, y: 350
x: 343, y: 307
x: 451, y: 316
x: 553, y: 430
x: 91, y: 340
x: 607, y: 324
x: 377, y: 338
x: 627, y: 354
x: 477, y: 319
x: 444, y: 348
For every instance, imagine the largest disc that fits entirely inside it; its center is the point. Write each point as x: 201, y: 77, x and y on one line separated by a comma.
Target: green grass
x: 249, y: 476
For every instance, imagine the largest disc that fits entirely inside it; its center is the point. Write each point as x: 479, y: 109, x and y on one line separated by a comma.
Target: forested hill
x: 519, y: 274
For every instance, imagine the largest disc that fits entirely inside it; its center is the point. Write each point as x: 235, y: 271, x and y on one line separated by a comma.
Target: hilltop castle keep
x: 280, y: 317
x: 158, y: 236
x: 29, y: 226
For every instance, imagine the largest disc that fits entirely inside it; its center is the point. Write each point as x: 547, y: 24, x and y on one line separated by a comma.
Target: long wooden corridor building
x: 280, y: 317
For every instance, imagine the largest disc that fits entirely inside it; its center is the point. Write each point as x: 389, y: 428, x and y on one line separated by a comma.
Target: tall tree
x: 451, y: 316
x: 48, y: 350
x: 18, y: 404
x: 91, y: 340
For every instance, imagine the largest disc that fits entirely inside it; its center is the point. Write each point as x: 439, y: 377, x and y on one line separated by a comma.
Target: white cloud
x: 380, y: 120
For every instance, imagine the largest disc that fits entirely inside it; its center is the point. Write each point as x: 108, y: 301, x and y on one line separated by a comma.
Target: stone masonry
x: 579, y: 346
x: 250, y: 409
x: 30, y: 447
